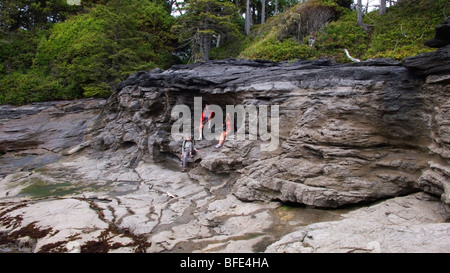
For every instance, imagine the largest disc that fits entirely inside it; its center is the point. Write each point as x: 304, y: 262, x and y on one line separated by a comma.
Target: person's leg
x: 200, y: 131
x: 191, y: 150
x: 209, y: 122
x: 221, y: 139
x: 185, y: 159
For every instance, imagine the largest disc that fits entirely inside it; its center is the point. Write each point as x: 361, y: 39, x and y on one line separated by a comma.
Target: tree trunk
x: 253, y: 18
x: 382, y: 7
x: 205, y: 40
x: 206, y: 46
x: 276, y: 7
x: 247, y: 17
x: 360, y: 14
x: 263, y: 11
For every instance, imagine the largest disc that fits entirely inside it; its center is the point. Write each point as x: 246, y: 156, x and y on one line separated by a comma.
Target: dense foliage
x: 286, y: 36
x: 205, y: 22
x: 401, y: 32
x: 52, y: 50
x: 87, y: 54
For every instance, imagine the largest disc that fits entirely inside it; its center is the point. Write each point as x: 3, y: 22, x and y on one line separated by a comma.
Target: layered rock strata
x: 347, y: 133
x: 104, y: 176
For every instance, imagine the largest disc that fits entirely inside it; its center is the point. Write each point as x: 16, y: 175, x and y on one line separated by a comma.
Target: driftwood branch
x: 350, y: 57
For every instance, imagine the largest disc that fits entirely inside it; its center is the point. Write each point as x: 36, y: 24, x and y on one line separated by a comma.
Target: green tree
x: 93, y: 51
x: 87, y: 54
x: 30, y: 14
x: 204, y: 21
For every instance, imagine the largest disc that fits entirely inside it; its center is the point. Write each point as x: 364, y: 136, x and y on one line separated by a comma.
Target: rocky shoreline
x: 362, y: 163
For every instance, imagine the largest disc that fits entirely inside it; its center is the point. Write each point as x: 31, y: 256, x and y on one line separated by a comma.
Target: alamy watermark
x: 74, y: 2
x: 258, y: 123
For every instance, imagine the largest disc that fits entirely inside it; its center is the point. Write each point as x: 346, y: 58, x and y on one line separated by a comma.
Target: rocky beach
x: 362, y: 163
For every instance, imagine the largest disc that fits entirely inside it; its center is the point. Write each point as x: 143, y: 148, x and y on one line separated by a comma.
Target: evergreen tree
x: 30, y: 14
x: 92, y: 52
x: 87, y: 54
x: 205, y: 20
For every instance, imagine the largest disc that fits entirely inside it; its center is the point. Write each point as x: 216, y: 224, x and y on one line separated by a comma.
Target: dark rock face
x: 433, y: 63
x: 442, y: 37
x: 347, y: 133
x: 39, y: 133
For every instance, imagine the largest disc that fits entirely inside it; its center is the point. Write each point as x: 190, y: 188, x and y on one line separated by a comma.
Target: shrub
x: 400, y: 33
x: 275, y: 50
x: 339, y: 35
x: 87, y: 54
x: 285, y: 36
x: 100, y: 90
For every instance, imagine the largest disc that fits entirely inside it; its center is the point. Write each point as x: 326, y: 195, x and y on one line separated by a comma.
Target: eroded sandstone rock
x: 348, y: 133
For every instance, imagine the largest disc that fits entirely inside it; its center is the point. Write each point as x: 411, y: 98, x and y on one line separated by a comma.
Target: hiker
x: 226, y: 130
x: 187, y: 149
x: 207, y: 115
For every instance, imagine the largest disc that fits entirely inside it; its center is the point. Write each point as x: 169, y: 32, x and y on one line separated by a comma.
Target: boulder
x: 442, y: 37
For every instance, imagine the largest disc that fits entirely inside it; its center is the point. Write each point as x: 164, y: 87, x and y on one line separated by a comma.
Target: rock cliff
x: 347, y: 133
x: 104, y: 176
x: 34, y: 135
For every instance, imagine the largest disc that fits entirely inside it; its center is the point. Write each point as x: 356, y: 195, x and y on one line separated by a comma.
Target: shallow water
x: 286, y: 219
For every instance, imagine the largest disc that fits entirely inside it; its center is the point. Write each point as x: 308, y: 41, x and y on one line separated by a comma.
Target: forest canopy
x: 60, y: 49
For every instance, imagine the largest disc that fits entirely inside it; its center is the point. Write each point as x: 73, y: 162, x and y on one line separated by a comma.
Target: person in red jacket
x: 226, y: 130
x: 207, y: 115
